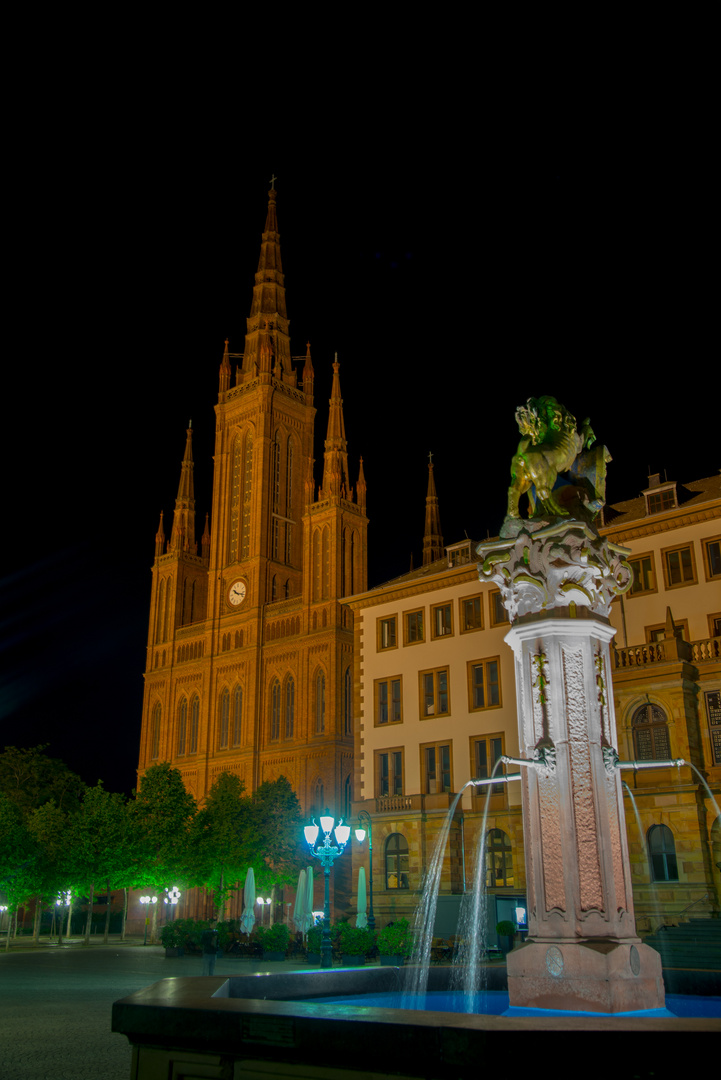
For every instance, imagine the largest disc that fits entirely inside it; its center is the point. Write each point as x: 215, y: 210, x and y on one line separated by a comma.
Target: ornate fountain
x: 557, y: 578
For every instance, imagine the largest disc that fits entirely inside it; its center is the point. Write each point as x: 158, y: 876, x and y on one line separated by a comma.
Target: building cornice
x: 661, y: 523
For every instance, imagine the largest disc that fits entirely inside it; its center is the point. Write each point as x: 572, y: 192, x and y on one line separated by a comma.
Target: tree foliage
x: 161, y: 818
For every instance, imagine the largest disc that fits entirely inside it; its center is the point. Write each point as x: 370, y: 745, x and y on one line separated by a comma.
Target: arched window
x: 348, y: 702
x: 662, y: 853
x: 237, y: 715
x: 650, y: 734
x: 275, y: 710
x: 224, y: 719
x: 194, y: 716
x: 320, y: 703
x: 289, y: 707
x: 182, y: 725
x: 155, y: 730
x: 159, y: 616
x: 499, y: 859
x: 397, y: 862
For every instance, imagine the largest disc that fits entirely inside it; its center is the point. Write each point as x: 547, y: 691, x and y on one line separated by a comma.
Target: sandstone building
x: 436, y: 707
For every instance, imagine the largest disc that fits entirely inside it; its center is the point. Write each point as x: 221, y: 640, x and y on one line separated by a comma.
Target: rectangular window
x: 679, y: 566
x: 484, y: 684
x: 486, y: 752
x: 387, y: 633
x: 389, y: 772
x: 414, y: 627
x: 499, y: 614
x: 712, y: 558
x: 644, y: 576
x: 441, y: 620
x: 388, y: 701
x: 436, y: 766
x: 471, y: 614
x: 661, y: 500
x: 658, y: 633
x: 434, y: 692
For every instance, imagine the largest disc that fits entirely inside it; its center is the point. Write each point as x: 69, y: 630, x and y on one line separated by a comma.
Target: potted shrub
x: 171, y: 938
x: 395, y: 943
x: 355, y: 944
x: 274, y: 940
x: 506, y: 931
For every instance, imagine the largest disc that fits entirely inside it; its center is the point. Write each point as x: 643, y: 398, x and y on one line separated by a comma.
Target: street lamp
x: 172, y: 898
x: 147, y: 900
x: 360, y: 837
x: 327, y: 853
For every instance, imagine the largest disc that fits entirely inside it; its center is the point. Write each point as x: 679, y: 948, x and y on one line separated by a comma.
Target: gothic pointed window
x: 318, y: 797
x: 155, y: 731
x: 237, y: 715
x: 194, y: 718
x: 289, y: 502
x: 182, y: 726
x: 159, y: 614
x: 347, y: 797
x: 289, y: 707
x: 320, y: 703
x: 224, y: 719
x: 348, y: 702
x: 275, y: 710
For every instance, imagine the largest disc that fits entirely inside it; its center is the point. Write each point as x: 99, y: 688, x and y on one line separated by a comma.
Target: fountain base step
x: 591, y: 976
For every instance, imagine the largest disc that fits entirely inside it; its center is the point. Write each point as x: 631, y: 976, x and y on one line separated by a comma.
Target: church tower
x: 249, y: 665
x: 432, y: 538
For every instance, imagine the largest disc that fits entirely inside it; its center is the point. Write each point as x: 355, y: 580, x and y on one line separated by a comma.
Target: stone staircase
x: 695, y: 944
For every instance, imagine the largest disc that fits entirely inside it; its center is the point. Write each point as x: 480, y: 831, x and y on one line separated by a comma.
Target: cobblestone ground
x: 55, y: 1006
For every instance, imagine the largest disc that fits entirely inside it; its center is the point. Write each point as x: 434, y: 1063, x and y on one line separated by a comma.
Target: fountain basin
x: 269, y: 1025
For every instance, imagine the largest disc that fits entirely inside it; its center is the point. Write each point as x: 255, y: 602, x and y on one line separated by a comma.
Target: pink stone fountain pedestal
x: 582, y: 951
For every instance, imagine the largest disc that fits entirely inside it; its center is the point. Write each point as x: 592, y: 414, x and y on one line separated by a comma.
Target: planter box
x: 314, y: 958
x: 352, y: 961
x: 392, y: 961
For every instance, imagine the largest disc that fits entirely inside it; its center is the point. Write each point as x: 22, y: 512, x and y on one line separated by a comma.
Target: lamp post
x: 172, y: 899
x: 360, y: 837
x: 263, y: 904
x: 327, y: 853
x: 147, y: 900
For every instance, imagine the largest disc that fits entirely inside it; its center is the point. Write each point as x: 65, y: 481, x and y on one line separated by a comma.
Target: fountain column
x: 557, y: 582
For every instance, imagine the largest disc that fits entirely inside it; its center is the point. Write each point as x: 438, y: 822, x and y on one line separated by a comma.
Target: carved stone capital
x: 561, y: 564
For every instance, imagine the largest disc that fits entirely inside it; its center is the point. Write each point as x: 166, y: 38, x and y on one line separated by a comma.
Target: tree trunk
x: 107, y: 917
x: 154, y: 927
x: 125, y: 914
x: 89, y: 916
x: 37, y: 919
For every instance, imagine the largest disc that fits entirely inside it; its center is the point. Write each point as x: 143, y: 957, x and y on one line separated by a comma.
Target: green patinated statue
x: 551, y: 446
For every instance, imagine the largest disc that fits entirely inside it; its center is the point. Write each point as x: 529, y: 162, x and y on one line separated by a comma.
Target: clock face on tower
x: 237, y: 592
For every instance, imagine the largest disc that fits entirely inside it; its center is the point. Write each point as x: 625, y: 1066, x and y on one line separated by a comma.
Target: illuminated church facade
x: 249, y: 657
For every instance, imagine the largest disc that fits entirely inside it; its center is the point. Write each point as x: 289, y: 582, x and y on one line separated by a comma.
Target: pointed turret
x: 182, y: 537
x: 267, y: 325
x: 335, y: 466
x: 225, y: 370
x: 361, y: 487
x: 160, y: 537
x: 308, y: 374
x: 432, y: 538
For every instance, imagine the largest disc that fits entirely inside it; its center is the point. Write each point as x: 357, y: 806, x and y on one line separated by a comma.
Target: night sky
x: 451, y: 288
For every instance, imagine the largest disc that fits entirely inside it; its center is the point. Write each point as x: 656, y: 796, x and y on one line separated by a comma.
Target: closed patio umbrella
x: 300, y: 896
x: 308, y: 912
x: 247, y: 919
x: 361, y: 918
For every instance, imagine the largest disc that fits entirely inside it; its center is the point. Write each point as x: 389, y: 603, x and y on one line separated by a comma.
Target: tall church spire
x: 432, y: 538
x: 182, y: 537
x: 267, y: 325
x: 335, y: 466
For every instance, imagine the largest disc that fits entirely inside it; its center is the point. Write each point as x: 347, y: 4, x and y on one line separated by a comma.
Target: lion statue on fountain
x: 551, y: 446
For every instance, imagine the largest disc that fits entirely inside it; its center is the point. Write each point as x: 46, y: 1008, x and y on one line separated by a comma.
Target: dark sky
x: 453, y: 286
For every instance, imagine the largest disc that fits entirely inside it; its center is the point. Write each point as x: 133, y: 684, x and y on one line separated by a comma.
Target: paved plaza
x: 55, y: 1006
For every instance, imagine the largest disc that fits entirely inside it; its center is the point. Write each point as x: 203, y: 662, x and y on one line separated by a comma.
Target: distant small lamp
x: 327, y: 853
x: 360, y: 834
x: 263, y: 905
